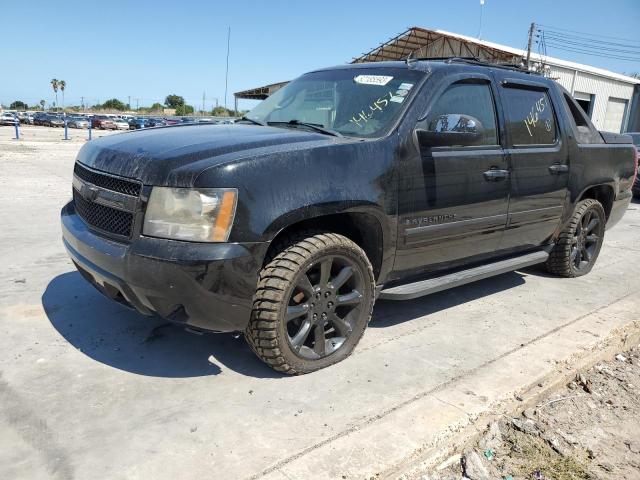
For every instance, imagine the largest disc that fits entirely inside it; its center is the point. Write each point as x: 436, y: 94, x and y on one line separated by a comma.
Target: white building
x: 610, y: 99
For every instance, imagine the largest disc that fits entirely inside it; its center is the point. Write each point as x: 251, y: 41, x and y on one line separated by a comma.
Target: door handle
x: 558, y: 168
x: 495, y: 174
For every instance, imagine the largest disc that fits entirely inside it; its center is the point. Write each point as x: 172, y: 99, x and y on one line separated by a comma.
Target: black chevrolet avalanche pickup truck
x: 386, y: 180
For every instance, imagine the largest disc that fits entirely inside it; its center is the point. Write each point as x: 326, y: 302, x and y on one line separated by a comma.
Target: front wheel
x: 312, y: 305
x: 580, y: 242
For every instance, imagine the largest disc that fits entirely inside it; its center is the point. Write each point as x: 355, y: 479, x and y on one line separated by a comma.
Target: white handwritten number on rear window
x: 532, y: 120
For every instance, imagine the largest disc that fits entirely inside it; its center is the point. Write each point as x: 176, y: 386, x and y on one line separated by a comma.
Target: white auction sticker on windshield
x: 372, y: 79
x: 405, y: 86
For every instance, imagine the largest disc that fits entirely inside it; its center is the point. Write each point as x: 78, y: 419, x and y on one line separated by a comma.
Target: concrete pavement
x: 89, y: 389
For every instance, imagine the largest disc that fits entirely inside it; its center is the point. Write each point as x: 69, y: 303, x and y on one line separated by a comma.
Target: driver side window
x: 471, y: 99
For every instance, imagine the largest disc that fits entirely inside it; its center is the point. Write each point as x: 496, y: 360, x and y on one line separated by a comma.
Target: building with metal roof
x: 611, y: 100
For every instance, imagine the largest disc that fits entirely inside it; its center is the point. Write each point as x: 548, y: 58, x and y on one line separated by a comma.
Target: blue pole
x: 16, y: 123
x: 90, y: 122
x: 66, y: 133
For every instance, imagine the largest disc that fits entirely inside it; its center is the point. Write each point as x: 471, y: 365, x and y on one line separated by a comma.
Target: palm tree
x: 62, y: 84
x: 54, y: 85
x: 42, y: 102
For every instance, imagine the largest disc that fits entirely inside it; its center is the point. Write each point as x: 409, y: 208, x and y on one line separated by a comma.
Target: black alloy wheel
x: 323, y: 306
x: 579, y: 243
x: 313, y: 302
x: 586, y: 240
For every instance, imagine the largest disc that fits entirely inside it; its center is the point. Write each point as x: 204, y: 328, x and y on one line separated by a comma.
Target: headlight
x: 193, y: 214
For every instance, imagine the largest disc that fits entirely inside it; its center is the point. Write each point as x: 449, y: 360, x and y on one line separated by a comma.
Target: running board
x: 433, y: 285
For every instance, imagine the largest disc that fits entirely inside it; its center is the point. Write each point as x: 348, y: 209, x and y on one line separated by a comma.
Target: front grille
x: 104, y: 218
x: 128, y: 187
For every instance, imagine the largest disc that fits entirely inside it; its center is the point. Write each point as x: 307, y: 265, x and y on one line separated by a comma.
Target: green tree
x: 220, y: 112
x: 62, y: 84
x: 113, y: 104
x: 173, y: 101
x: 18, y: 105
x: 42, y: 102
x: 55, y: 84
x: 156, y: 107
x: 184, y: 110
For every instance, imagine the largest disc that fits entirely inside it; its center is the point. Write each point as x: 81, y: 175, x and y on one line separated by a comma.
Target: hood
x: 174, y: 156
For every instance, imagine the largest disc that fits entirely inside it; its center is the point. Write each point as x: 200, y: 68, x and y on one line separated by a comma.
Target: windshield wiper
x: 262, y: 124
x: 313, y: 126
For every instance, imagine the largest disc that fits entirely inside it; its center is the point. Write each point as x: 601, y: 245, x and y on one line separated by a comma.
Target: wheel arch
x: 364, y: 226
x: 603, y: 193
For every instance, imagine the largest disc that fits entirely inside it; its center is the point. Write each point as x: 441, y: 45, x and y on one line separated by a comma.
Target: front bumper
x: 204, y: 286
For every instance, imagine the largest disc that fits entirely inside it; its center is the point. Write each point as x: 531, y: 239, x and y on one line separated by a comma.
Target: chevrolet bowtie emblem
x: 89, y: 192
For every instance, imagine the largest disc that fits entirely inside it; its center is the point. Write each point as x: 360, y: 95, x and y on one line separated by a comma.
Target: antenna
x: 480, y: 29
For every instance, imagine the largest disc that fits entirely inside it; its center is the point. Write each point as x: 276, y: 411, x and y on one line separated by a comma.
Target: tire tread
x: 294, y: 250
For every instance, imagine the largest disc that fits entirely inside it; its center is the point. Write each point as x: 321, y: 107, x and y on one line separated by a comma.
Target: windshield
x: 354, y: 102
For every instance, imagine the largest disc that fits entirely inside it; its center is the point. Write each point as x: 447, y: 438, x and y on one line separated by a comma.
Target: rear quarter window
x: 530, y: 117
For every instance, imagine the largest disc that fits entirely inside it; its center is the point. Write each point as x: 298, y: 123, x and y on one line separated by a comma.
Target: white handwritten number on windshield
x: 364, y: 116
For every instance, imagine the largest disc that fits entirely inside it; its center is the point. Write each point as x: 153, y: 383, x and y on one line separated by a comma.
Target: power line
x: 586, y: 43
x: 588, y: 52
x: 549, y: 27
x: 595, y: 45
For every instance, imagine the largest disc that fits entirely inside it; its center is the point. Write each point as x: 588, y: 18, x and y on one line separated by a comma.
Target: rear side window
x: 530, y: 117
x: 473, y: 99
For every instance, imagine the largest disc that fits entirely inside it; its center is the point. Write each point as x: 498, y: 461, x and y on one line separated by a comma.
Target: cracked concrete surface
x: 85, y: 394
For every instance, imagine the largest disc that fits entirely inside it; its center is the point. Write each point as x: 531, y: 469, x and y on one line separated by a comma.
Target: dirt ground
x: 588, y: 430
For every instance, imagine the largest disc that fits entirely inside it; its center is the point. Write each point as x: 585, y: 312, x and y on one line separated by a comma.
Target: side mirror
x: 451, y: 129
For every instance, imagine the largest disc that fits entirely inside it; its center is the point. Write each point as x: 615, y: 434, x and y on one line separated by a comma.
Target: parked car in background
x: 138, y: 123
x: 39, y: 118
x: 108, y: 124
x: 96, y: 120
x: 7, y: 118
x: 157, y: 122
x: 23, y: 117
x: 77, y: 122
x: 635, y: 136
x: 171, y: 121
x: 54, y: 121
x: 121, y: 124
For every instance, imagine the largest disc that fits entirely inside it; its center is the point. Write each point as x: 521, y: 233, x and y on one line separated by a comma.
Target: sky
x: 145, y: 50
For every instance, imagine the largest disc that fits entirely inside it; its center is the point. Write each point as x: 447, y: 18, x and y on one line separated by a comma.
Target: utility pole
x: 531, y: 29
x: 137, y: 104
x: 226, y: 80
x: 129, y: 102
x: 82, y: 104
x: 203, y: 97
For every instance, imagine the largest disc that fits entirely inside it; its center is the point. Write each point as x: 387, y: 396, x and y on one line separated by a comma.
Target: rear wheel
x: 313, y: 303
x: 580, y: 242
